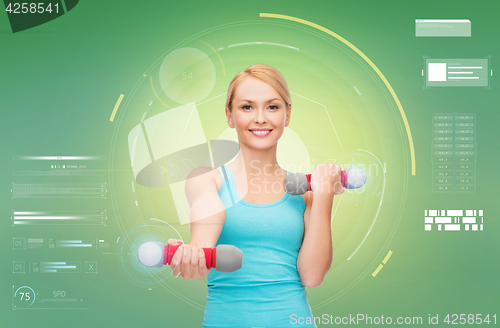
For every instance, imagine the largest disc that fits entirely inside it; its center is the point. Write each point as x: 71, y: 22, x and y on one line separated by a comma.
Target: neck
x: 257, y: 162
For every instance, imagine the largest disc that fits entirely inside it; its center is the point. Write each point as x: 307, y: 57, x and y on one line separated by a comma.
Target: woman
x: 286, y: 240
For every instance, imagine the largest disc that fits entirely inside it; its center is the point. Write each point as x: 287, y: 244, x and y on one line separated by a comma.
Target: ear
x: 229, y: 119
x: 288, y: 113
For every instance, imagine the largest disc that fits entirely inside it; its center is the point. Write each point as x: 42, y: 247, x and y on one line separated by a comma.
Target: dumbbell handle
x: 343, y: 180
x: 210, y: 255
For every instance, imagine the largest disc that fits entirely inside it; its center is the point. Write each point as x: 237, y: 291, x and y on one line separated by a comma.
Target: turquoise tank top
x: 267, y: 290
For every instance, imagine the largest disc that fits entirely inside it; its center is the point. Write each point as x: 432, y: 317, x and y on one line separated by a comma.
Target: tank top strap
x: 228, y: 180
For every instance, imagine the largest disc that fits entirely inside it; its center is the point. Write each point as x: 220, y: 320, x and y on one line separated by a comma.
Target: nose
x: 260, y: 116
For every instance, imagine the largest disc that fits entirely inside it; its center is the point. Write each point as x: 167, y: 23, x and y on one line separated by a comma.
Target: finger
x: 202, y: 262
x: 334, y: 168
x: 186, y: 261
x: 173, y: 241
x: 194, y: 259
x: 325, y: 168
x: 176, y: 261
x: 338, y: 171
x: 331, y: 170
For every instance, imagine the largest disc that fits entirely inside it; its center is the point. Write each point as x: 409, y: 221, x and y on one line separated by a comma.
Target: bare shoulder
x: 202, y: 181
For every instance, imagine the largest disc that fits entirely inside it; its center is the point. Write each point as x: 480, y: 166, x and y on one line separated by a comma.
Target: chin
x: 261, y: 145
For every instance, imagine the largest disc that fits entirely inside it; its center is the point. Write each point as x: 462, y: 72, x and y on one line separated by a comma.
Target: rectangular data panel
x: 58, y: 295
x: 59, y: 190
x: 457, y: 72
x: 454, y: 153
x: 434, y: 220
x: 442, y: 27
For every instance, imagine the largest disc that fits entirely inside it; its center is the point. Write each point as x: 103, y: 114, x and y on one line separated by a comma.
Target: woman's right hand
x: 188, y: 261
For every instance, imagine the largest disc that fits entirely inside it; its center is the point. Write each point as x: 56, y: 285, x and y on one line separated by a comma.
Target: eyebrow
x: 253, y: 101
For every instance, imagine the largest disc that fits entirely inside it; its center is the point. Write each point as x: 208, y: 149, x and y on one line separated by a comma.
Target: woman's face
x: 259, y: 114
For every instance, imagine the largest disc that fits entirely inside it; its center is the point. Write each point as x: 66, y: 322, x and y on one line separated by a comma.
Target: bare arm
x: 207, y: 218
x: 315, y: 255
x: 208, y: 214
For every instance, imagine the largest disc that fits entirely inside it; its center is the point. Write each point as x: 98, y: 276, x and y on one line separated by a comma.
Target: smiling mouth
x: 260, y: 133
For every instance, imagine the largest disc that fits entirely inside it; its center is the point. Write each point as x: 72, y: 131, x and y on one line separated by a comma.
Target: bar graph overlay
x: 90, y: 217
x: 85, y: 243
x: 56, y: 267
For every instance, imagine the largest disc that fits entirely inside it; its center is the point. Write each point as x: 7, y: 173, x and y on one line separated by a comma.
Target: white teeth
x: 262, y: 132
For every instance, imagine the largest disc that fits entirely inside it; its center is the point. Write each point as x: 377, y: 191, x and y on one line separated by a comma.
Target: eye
x: 275, y: 107
x: 245, y: 107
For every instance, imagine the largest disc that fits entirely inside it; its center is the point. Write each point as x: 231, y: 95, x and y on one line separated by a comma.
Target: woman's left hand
x: 326, y: 180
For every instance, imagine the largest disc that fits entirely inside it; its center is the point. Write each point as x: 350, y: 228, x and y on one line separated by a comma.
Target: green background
x: 60, y: 82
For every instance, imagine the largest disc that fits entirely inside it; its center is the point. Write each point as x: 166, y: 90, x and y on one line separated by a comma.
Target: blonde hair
x: 265, y: 73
